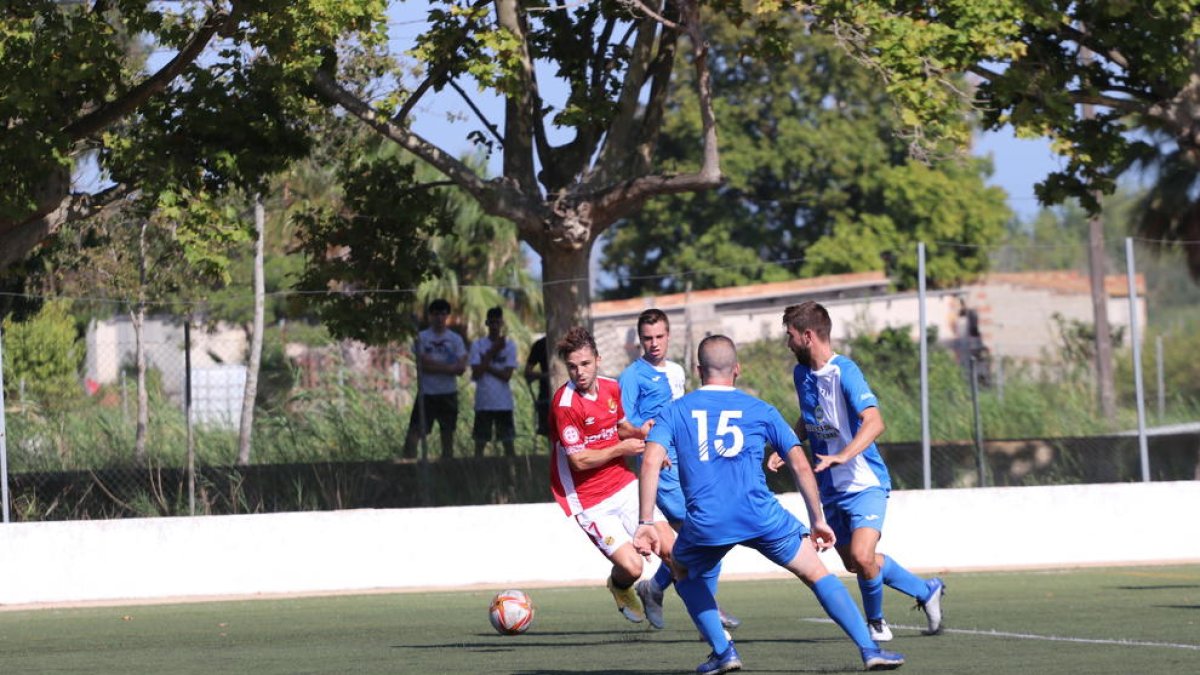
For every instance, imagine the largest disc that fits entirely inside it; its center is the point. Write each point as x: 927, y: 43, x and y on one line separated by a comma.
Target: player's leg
x: 868, y: 510
x: 928, y: 592
x: 696, y: 573
x: 670, y: 501
x: 609, y: 525
x: 859, y: 517
x: 831, y: 593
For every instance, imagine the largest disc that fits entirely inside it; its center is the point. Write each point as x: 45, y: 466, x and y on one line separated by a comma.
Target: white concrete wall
x: 513, y: 545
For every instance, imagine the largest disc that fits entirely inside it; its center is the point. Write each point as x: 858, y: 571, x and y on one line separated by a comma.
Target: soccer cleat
x: 932, y: 606
x: 879, y: 659
x: 880, y: 631
x: 627, y: 602
x: 652, y: 598
x: 720, y: 663
x: 728, y: 621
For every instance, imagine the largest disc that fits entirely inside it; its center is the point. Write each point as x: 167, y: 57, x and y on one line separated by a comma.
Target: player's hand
x: 666, y: 463
x: 646, y: 427
x: 646, y: 541
x: 634, y: 446
x: 826, y: 461
x: 822, y: 536
x: 775, y: 462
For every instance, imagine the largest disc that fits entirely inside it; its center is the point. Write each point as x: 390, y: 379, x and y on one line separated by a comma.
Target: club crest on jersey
x: 570, y: 436
x: 612, y: 405
x: 608, y: 541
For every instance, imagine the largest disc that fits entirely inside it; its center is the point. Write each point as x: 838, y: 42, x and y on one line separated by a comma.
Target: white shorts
x: 611, y: 523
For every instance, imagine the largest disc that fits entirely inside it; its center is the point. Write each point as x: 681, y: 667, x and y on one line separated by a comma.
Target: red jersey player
x: 588, y: 475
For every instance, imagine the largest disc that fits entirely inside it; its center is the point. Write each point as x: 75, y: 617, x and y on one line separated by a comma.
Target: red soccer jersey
x: 580, y: 423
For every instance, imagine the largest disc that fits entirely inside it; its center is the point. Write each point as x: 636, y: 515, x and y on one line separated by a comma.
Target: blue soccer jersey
x: 645, y: 392
x: 831, y: 400
x: 719, y: 435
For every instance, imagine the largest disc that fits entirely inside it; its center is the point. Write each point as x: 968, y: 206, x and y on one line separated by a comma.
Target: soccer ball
x: 511, y: 612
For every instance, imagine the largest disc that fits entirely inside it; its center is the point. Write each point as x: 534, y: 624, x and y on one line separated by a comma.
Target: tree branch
x: 613, y: 162
x: 651, y: 13
x: 25, y: 236
x: 478, y: 113
x: 108, y: 114
x: 1085, y: 40
x: 518, y: 106
x: 498, y: 197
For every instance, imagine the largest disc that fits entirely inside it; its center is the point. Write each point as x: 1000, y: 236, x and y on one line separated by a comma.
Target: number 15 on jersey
x: 729, y: 439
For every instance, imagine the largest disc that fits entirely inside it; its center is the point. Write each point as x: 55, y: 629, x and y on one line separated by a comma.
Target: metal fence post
x: 3, y: 437
x: 925, y: 458
x: 1131, y: 272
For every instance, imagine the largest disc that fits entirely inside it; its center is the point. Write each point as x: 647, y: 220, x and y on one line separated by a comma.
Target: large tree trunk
x: 256, y: 340
x: 566, y: 292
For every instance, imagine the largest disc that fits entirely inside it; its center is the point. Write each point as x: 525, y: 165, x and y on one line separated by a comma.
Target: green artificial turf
x: 1110, y: 620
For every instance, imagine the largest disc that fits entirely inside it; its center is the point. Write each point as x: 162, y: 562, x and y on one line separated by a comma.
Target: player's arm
x: 626, y: 429
x: 645, y: 538
x: 775, y: 461
x: 871, y: 427
x: 806, y: 484
x: 590, y: 458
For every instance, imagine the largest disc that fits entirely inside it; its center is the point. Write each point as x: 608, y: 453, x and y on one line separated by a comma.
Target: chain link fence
x: 1013, y: 395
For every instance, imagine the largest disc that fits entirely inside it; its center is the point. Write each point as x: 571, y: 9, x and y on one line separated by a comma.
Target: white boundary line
x: 1047, y: 638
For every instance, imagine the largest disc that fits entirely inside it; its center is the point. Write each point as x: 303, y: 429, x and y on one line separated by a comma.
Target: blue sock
x: 894, y: 575
x: 663, y: 578
x: 702, y: 607
x: 872, y: 596
x: 840, y: 607
x: 710, y: 579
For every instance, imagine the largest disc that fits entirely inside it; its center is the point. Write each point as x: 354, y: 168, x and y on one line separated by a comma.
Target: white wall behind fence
x: 512, y: 545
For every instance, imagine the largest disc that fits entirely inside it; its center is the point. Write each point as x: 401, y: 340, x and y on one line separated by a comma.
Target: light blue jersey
x: 831, y: 400
x: 645, y: 392
x: 719, y: 435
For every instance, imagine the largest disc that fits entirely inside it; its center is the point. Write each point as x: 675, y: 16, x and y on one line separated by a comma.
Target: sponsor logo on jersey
x: 604, y: 435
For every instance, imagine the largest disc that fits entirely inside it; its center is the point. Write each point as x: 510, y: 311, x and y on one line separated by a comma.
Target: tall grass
x: 344, y: 423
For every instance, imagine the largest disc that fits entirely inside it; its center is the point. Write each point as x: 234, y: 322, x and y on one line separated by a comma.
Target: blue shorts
x: 670, y: 501
x: 853, y: 510
x: 779, y: 546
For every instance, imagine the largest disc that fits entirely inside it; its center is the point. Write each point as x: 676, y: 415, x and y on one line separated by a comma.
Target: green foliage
x: 42, y: 357
x: 1111, y: 83
x: 366, y: 258
x: 817, y: 180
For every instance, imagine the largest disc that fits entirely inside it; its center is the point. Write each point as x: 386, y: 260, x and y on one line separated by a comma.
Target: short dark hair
x: 809, y: 315
x: 495, y: 313
x: 577, y: 338
x: 652, y: 316
x: 439, y: 305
